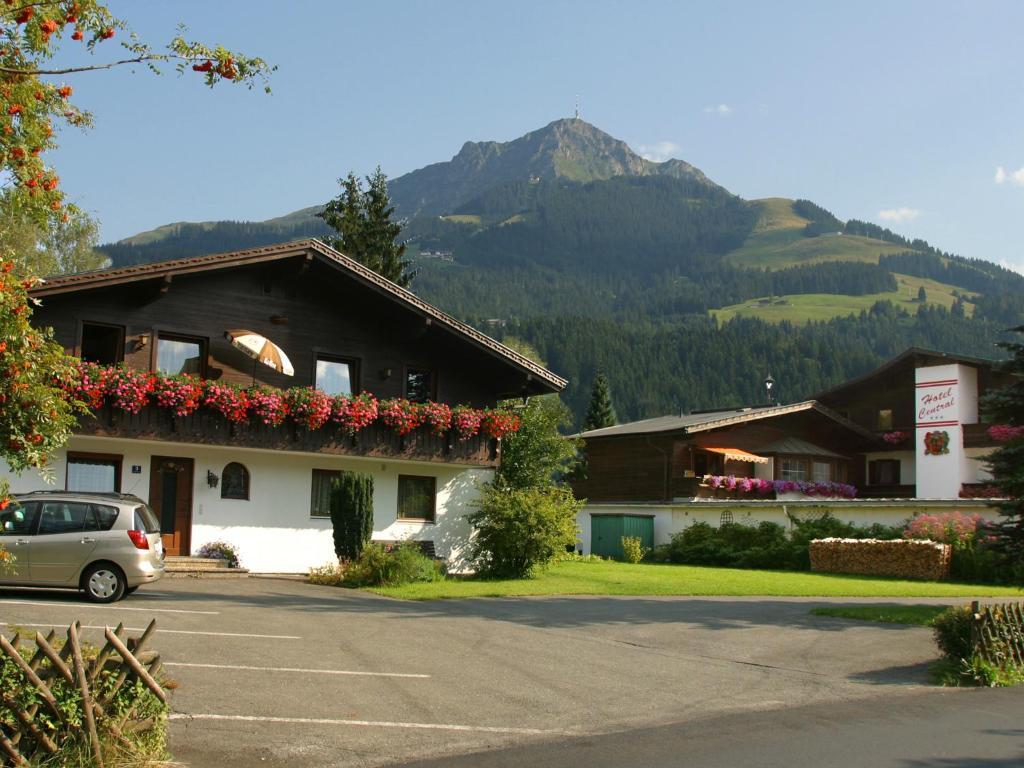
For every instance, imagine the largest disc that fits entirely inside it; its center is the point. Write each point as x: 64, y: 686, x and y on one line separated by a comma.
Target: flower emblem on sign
x: 936, y: 443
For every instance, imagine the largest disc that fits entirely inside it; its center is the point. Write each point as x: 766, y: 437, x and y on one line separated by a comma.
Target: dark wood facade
x: 667, y: 465
x: 311, y: 302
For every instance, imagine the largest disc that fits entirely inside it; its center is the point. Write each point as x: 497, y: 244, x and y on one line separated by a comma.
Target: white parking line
x: 295, y: 669
x: 166, y: 631
x: 108, y: 607
x: 368, y: 723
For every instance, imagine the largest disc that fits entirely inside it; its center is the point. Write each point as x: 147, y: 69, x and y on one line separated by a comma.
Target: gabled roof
x: 909, y: 354
x: 310, y: 249
x: 692, y: 423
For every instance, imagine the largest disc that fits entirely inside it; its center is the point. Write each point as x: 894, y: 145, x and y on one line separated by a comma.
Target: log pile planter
x: 900, y: 558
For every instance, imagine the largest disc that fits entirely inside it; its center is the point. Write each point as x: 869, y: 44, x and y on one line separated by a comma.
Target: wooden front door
x: 170, y: 496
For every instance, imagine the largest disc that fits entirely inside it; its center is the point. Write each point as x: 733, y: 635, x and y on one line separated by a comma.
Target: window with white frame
x: 792, y: 469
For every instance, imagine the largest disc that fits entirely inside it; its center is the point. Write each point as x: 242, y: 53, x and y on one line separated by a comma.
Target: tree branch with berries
x: 33, y: 107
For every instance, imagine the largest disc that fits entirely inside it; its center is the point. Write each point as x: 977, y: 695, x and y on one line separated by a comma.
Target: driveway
x: 278, y: 672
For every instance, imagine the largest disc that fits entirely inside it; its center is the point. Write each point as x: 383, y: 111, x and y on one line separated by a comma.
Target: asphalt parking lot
x: 278, y: 672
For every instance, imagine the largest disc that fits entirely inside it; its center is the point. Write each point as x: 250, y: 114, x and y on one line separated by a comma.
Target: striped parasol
x: 260, y: 349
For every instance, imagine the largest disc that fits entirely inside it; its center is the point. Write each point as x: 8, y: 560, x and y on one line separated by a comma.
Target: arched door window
x: 234, y: 482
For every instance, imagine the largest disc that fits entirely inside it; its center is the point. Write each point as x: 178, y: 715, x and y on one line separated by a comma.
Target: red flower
x: 48, y: 27
x: 206, y: 66
x: 498, y: 423
x: 77, y: 35
x: 25, y: 15
x: 65, y: 91
x: 107, y: 33
x: 14, y: 109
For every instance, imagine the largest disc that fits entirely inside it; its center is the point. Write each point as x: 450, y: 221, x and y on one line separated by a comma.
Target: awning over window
x: 736, y: 454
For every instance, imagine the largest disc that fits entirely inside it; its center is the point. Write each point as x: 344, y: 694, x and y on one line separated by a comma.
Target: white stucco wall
x: 673, y: 518
x: 273, y: 529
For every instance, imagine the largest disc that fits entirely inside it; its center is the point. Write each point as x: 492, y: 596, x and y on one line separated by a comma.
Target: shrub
x: 732, y: 545
x: 520, y: 530
x: 953, y: 633
x: 947, y: 527
x: 379, y: 566
x: 633, y: 549
x: 329, y: 575
x: 220, y: 550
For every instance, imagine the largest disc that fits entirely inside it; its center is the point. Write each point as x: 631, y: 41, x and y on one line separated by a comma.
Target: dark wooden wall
x: 633, y: 468
x: 327, y: 313
x: 627, y: 469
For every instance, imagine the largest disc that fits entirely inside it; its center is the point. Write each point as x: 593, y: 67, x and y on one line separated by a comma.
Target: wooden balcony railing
x: 207, y: 428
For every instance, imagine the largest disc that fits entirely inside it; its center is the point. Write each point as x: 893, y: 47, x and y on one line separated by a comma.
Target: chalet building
x: 264, y: 488
x: 901, y: 440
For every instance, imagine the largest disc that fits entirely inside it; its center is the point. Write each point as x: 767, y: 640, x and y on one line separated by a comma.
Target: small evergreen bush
x: 953, y: 633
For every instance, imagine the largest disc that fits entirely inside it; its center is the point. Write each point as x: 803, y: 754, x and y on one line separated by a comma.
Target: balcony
x: 208, y: 428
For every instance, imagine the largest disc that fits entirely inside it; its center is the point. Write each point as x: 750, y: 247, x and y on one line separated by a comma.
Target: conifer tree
x: 1005, y: 407
x: 366, y: 231
x: 600, y: 412
x: 922, y: 295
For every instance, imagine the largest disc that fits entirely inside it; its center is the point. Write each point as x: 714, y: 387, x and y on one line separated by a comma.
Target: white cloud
x: 1014, y: 177
x: 899, y: 215
x: 659, y: 151
x: 722, y: 110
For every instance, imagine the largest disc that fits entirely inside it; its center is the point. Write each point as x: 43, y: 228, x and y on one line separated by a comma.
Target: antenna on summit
x: 577, y: 115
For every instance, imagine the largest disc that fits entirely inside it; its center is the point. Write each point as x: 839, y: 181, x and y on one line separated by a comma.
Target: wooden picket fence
x: 998, y: 633
x: 121, y: 660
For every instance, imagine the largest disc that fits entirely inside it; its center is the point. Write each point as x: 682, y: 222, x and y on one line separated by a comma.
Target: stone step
x: 206, y: 573
x: 195, y: 562
x: 206, y: 567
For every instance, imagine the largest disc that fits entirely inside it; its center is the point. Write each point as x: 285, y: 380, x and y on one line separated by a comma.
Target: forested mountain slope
x: 683, y: 293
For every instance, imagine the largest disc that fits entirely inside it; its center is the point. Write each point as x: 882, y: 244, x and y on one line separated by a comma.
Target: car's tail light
x: 139, y: 539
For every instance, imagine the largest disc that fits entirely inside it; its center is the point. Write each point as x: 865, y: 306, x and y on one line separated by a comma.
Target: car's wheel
x: 103, y: 583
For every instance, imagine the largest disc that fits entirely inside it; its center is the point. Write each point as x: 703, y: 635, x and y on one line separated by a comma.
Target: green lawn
x: 918, y: 615
x: 802, y: 308
x: 612, y: 578
x: 778, y: 241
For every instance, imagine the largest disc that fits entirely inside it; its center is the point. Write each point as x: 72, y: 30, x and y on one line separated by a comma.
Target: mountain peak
x: 567, y: 149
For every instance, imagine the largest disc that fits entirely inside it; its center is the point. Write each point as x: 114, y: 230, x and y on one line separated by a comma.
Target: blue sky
x: 895, y: 112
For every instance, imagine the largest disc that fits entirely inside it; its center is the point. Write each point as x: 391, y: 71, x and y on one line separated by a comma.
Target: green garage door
x: 606, y: 532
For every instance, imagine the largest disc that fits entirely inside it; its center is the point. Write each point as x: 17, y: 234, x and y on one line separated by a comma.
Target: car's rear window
x: 145, y: 520
x: 105, y: 517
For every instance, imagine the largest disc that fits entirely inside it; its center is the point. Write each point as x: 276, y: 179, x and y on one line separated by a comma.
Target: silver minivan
x: 104, y: 544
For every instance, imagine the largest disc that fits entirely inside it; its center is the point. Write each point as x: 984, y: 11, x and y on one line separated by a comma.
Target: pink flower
x: 401, y: 415
x: 1004, y: 433
x: 466, y: 421
x: 181, y: 394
